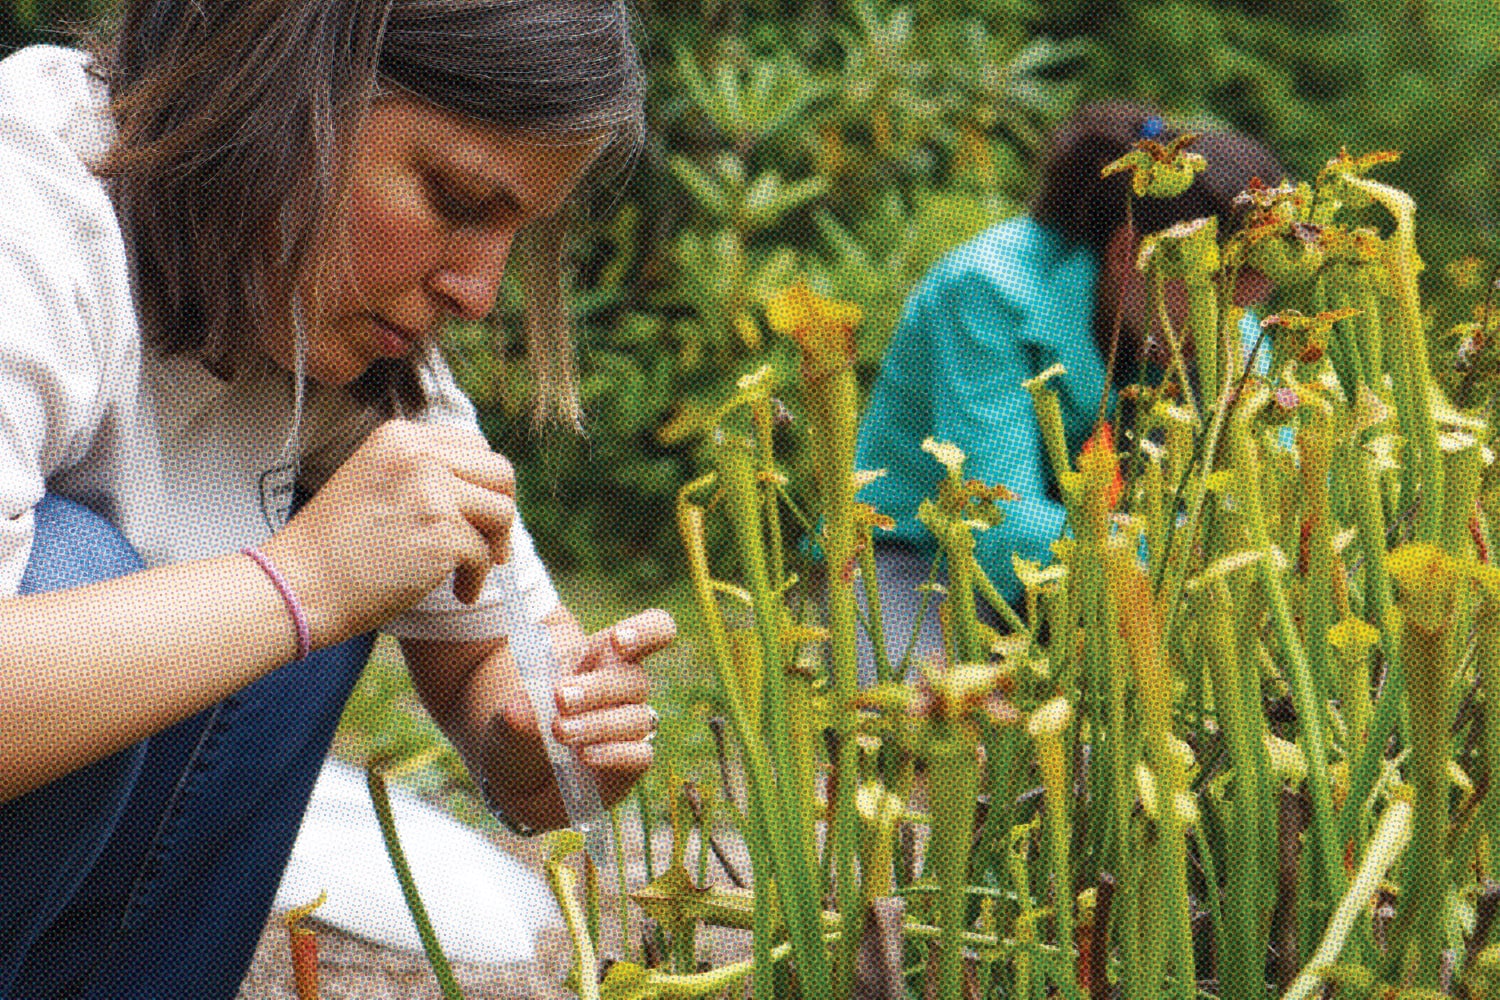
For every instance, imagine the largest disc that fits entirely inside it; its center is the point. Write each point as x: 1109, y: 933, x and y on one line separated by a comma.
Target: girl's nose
x: 472, y: 281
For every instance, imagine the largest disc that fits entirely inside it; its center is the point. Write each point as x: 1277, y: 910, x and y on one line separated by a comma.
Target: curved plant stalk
x: 1046, y: 727
x: 1345, y: 333
x: 796, y: 862
x: 761, y: 410
x: 885, y: 671
x: 1427, y: 579
x: 824, y: 331
x: 1049, y: 419
x: 1487, y: 661
x: 1314, y: 448
x: 1142, y: 629
x: 880, y: 811
x: 1242, y: 947
x: 1462, y: 471
x: 1328, y: 860
x: 1134, y: 866
x: 1390, y: 839
x: 375, y: 778
x: 623, y: 886
x: 1352, y: 641
x: 1172, y: 573
x: 1411, y: 370
x: 1154, y: 501
x: 1371, y: 521
x: 563, y: 881
x: 953, y: 782
x: 963, y: 612
x: 1203, y: 326
x: 766, y: 825
x: 986, y: 589
x: 1178, y: 364
x: 628, y: 981
x: 1369, y: 330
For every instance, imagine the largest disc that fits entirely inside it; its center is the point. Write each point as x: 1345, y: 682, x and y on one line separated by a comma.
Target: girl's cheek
x: 393, y: 235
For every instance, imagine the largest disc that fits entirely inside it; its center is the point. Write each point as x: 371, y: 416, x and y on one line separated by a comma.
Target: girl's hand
x: 415, y: 503
x: 601, y: 705
x: 601, y: 711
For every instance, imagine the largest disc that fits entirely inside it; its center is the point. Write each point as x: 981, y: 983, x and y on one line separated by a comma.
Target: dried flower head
x: 823, y: 328
x: 1308, y: 334
x: 1345, y: 165
x: 1099, y: 452
x: 1159, y: 171
x: 1189, y: 249
x: 1258, y: 195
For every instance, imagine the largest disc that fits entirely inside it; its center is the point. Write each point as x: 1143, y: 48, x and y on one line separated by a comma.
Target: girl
x: 1042, y: 288
x: 230, y: 451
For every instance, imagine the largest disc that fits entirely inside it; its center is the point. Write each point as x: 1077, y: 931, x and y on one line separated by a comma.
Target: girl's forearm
x: 88, y: 671
x: 478, y: 699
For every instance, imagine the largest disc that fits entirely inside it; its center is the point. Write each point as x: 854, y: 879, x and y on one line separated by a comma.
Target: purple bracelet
x: 304, y: 637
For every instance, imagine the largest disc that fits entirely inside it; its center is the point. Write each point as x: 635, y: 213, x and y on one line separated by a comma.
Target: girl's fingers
x: 620, y: 685
x: 487, y: 470
x: 629, y: 640
x: 490, y: 513
x: 621, y: 724
x: 468, y: 455
x: 641, y: 635
x: 623, y: 761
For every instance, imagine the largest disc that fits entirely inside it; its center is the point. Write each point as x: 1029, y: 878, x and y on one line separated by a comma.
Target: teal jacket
x: 996, y: 311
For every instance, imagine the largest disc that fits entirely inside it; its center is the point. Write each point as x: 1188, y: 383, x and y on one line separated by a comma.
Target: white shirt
x: 186, y: 465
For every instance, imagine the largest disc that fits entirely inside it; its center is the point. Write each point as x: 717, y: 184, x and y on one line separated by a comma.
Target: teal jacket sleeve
x: 986, y: 411
x: 990, y: 315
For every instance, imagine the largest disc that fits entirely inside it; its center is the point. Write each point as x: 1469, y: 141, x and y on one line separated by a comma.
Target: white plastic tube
x: 536, y: 661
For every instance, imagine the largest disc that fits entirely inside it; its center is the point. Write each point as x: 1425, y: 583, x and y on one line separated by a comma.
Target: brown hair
x: 1086, y: 208
x: 235, y: 119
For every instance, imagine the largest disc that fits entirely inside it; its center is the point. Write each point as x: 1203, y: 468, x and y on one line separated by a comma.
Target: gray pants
x: 900, y: 571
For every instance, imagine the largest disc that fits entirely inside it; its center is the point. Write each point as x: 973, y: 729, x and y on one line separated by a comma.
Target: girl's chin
x: 334, y: 373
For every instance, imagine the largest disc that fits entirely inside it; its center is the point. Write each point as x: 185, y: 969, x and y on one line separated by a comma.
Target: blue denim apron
x: 150, y: 874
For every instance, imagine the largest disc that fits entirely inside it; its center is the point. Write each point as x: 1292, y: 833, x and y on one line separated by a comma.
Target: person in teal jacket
x: 1039, y: 289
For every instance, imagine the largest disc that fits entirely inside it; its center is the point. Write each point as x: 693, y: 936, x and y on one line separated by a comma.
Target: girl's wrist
x: 288, y: 597
x: 302, y: 580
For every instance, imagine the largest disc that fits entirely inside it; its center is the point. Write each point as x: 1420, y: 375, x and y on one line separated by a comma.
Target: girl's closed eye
x: 458, y: 208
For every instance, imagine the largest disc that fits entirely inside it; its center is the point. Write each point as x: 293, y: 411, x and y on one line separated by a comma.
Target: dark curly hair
x: 1086, y: 208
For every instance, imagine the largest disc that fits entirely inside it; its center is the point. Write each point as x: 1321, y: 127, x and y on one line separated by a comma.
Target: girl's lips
x: 393, y: 342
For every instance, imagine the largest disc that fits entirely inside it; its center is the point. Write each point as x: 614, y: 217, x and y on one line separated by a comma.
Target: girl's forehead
x: 488, y: 157
x: 463, y: 140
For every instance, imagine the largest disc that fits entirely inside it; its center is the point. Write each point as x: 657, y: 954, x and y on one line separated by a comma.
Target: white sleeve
x: 51, y: 393
x: 440, y: 615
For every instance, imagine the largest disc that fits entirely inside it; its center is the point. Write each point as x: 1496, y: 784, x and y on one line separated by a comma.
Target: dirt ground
x: 354, y: 969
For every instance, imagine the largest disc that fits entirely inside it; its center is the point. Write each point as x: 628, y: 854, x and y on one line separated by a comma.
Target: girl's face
x: 435, y: 200
x: 1129, y: 291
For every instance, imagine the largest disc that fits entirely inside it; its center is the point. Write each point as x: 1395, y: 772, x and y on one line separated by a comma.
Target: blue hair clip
x: 1153, y: 127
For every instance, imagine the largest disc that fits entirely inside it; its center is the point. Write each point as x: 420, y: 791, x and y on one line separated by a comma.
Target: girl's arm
x: 86, y: 672
x: 983, y: 408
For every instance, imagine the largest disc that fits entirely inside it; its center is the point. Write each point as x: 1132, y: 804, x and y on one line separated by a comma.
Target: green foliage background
x: 852, y: 142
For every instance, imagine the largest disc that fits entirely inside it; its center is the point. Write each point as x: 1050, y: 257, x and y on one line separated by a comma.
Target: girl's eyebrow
x: 487, y: 189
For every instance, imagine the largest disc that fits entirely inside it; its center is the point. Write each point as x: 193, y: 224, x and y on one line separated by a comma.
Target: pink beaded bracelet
x: 304, y: 637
